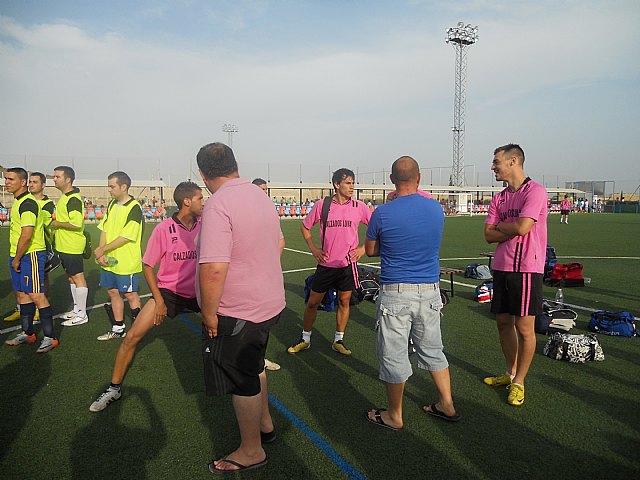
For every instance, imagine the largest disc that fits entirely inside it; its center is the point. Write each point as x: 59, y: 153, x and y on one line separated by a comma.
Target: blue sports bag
x: 619, y: 324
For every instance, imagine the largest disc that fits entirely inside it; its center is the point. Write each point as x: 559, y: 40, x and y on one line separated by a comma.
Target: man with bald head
x: 406, y: 234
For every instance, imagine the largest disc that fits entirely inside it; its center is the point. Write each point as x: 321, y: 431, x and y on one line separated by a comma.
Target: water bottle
x: 560, y: 297
x: 110, y: 261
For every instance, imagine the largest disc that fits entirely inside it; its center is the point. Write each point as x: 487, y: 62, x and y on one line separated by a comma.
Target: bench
x: 489, y: 255
x: 450, y: 271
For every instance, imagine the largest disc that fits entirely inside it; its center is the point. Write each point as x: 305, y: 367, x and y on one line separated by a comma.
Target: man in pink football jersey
x: 517, y: 222
x: 173, y: 288
x: 337, y: 256
x: 565, y: 208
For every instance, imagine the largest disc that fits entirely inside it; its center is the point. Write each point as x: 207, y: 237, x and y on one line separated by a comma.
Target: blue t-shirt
x: 409, y: 230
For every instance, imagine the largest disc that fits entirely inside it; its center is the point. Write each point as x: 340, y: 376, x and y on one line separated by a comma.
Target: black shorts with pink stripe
x: 517, y: 293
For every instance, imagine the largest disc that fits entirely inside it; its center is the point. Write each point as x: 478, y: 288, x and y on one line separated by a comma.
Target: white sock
x: 81, y: 297
x: 306, y: 336
x: 338, y: 336
x: 118, y: 329
x: 74, y: 295
x: 511, y: 376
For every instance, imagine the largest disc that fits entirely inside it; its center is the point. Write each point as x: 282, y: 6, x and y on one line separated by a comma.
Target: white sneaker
x: 107, y: 397
x: 75, y: 320
x: 111, y: 334
x: 69, y: 315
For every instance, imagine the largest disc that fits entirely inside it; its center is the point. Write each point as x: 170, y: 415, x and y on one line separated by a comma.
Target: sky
x: 313, y: 86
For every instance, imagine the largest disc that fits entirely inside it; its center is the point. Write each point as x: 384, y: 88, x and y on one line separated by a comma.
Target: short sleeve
x: 536, y: 202
x: 314, y: 216
x: 28, y: 211
x: 373, y: 230
x: 156, y: 247
x: 492, y: 217
x: 133, y: 225
x: 75, y: 210
x: 216, y: 239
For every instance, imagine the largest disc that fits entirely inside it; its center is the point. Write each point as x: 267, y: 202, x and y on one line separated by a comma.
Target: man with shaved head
x: 406, y: 234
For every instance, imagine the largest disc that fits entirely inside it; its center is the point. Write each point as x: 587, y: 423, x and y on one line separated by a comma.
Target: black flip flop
x: 268, y: 437
x: 378, y: 419
x: 241, y: 468
x: 437, y: 413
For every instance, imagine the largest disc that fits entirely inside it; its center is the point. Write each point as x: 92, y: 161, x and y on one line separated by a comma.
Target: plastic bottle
x: 560, y: 297
x: 110, y: 261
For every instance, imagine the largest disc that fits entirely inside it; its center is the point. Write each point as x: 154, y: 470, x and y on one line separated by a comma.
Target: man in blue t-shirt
x: 406, y: 234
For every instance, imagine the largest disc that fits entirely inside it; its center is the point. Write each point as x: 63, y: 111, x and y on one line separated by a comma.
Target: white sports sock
x: 511, y: 376
x: 74, y: 295
x: 306, y: 336
x: 81, y: 297
x: 338, y: 336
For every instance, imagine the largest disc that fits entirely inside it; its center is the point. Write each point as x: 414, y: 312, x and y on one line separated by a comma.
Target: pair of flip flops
x: 241, y: 468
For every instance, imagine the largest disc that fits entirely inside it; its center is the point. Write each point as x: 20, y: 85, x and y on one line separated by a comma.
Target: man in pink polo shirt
x: 336, y: 258
x: 241, y: 292
x: 173, y: 289
x: 517, y: 222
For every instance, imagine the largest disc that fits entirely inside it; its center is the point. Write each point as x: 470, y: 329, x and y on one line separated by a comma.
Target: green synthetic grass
x: 579, y: 421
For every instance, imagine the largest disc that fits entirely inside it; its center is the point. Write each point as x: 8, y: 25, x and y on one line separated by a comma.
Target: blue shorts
x: 124, y: 283
x: 30, y: 278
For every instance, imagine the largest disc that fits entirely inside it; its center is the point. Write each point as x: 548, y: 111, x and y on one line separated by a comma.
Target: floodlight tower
x: 230, y: 128
x: 461, y: 37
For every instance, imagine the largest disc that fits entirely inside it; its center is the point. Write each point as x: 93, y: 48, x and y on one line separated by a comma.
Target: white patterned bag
x: 574, y: 348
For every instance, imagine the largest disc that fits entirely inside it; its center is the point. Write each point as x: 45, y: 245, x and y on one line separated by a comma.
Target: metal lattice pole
x: 461, y: 37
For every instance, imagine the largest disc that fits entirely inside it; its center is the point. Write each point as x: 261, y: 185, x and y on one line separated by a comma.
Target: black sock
x: 134, y: 313
x: 46, y: 321
x: 115, y: 386
x: 27, y: 311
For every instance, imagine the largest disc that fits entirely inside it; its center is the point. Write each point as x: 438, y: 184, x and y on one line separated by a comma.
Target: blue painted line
x: 315, y: 437
x: 318, y: 441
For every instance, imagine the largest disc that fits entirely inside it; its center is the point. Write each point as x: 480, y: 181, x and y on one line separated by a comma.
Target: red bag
x: 569, y: 275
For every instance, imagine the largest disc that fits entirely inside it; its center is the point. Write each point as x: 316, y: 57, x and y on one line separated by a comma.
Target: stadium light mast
x: 230, y: 129
x: 460, y: 37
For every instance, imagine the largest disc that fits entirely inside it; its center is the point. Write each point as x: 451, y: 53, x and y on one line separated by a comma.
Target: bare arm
x: 518, y: 228
x: 64, y: 225
x: 103, y: 249
x: 372, y: 247
x: 318, y: 254
x: 212, y: 278
x: 152, y: 280
x: 23, y: 243
x: 491, y: 235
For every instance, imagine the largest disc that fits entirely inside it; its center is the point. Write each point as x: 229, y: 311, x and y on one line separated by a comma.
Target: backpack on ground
x: 478, y: 271
x: 328, y: 303
x: 567, y: 275
x: 555, y: 319
x: 619, y: 324
x: 369, y: 286
x: 550, y: 261
x: 484, y: 292
x: 574, y: 348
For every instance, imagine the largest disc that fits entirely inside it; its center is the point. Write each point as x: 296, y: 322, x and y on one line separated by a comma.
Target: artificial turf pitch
x: 579, y: 421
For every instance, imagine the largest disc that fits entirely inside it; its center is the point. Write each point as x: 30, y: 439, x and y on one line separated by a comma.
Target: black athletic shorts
x: 176, y: 304
x: 73, y: 263
x: 564, y: 212
x: 518, y: 294
x: 326, y: 278
x: 234, y: 359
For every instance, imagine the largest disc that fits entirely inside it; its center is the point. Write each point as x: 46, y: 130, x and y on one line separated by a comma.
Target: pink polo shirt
x: 174, y: 247
x: 240, y: 227
x: 524, y: 253
x: 342, y: 229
